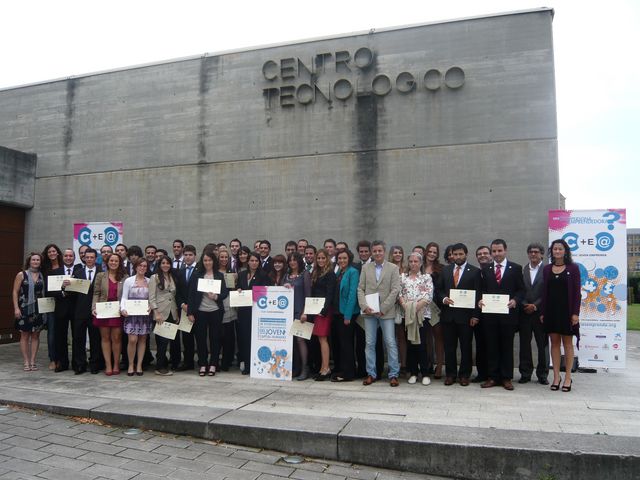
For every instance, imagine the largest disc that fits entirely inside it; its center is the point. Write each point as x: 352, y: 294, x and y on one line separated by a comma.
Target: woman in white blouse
x: 137, y: 327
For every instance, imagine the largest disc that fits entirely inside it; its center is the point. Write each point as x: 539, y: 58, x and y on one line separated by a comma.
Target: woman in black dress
x: 561, y: 308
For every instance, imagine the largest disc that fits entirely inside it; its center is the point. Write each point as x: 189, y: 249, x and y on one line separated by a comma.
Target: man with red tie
x: 501, y: 277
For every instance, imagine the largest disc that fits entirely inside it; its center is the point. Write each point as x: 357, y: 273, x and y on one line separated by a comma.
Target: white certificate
x: 462, y: 298
x: 166, y: 330
x: 373, y: 301
x: 78, y: 285
x: 242, y: 298
x: 494, y: 303
x: 107, y: 309
x: 230, y: 280
x: 209, y: 285
x: 185, y: 324
x: 313, y: 305
x: 299, y: 329
x: 46, y: 305
x: 54, y: 283
x: 136, y: 307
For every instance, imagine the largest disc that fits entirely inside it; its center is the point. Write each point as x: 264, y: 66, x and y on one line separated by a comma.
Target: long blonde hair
x: 317, y: 272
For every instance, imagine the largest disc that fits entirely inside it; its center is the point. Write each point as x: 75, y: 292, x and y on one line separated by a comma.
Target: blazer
x: 101, y: 289
x: 533, y: 291
x: 65, y: 303
x: 164, y: 301
x: 182, y: 286
x: 84, y: 303
x: 511, y: 284
x: 324, y: 286
x: 267, y: 264
x: 573, y: 290
x: 195, y: 297
x: 260, y: 279
x: 348, y: 293
x: 470, y: 280
x: 388, y: 287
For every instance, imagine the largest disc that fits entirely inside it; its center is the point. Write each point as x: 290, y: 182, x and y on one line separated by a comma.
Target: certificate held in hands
x: 54, y: 282
x: 495, y: 303
x: 230, y: 280
x: 373, y: 301
x: 242, y: 298
x: 185, y: 324
x: 79, y: 285
x: 304, y: 330
x: 209, y: 285
x: 166, y: 330
x: 313, y: 305
x: 462, y: 298
x: 46, y: 305
x: 107, y: 309
x: 137, y: 307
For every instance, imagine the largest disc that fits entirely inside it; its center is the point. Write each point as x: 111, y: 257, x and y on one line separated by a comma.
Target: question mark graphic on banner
x: 611, y: 217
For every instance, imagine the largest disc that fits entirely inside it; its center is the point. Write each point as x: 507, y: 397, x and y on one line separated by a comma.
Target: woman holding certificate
x: 206, y: 309
x: 230, y: 315
x: 162, y: 304
x: 416, y: 293
x: 435, y: 336
x: 108, y: 288
x: 247, y: 279
x: 300, y: 280
x: 51, y: 260
x: 561, y: 309
x: 28, y: 286
x: 323, y: 285
x: 137, y: 327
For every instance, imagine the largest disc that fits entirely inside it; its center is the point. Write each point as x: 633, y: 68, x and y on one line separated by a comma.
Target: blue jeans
x: 389, y: 335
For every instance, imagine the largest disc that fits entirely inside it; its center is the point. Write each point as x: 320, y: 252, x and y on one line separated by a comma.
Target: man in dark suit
x: 458, y: 323
x: 150, y: 255
x: 82, y: 319
x: 483, y: 256
x: 265, y: 251
x: 501, y: 277
x: 64, y: 311
x: 530, y: 324
x: 182, y: 290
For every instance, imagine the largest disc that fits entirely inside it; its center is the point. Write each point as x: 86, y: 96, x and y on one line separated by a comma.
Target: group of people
x: 405, y: 302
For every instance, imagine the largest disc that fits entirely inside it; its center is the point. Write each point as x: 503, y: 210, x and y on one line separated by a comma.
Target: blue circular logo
x: 264, y: 354
x: 283, y: 302
x: 572, y: 240
x: 84, y: 236
x: 262, y: 302
x: 604, y: 241
x: 111, y: 236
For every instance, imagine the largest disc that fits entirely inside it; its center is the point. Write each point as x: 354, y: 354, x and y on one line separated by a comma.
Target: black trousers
x: 79, y: 353
x: 481, y: 352
x: 457, y: 334
x: 228, y: 344
x: 530, y: 326
x: 208, y: 333
x: 244, y: 336
x: 345, y: 336
x: 499, y: 337
x: 176, y: 350
x: 61, y: 326
x: 361, y: 370
x: 417, y: 358
x: 335, y: 338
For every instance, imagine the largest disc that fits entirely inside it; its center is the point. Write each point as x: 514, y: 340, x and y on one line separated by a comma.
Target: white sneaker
x: 412, y: 379
x: 426, y: 381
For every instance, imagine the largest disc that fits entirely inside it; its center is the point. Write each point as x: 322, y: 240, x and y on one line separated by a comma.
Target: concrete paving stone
x: 146, y: 476
x: 302, y: 474
x: 150, y: 457
x: 104, y: 459
x: 352, y: 472
x: 267, y: 476
x: 278, y: 470
x: 170, y: 441
x: 102, y: 448
x: 97, y: 428
x: 150, y: 468
x: 26, y: 432
x: 33, y: 424
x: 4, y: 446
x: 63, y: 451
x: 143, y: 445
x: 210, y: 447
x: 18, y: 476
x: 177, y: 452
x: 258, y: 456
x: 229, y: 461
x: 65, y: 462
x: 65, y: 474
x: 24, y: 442
x: 62, y: 440
x: 70, y: 431
x: 191, y: 475
x: 307, y: 465
x: 97, y: 437
x: 145, y: 435
x: 50, y: 401
x: 186, y: 464
x: 24, y: 466
x: 233, y: 473
x: 25, y: 454
x: 109, y: 472
x: 5, y: 435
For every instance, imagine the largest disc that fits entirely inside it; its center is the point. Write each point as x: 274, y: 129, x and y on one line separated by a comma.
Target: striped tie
x: 498, y: 273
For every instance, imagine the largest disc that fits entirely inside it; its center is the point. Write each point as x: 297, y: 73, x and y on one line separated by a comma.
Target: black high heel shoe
x: 567, y: 388
x: 555, y: 387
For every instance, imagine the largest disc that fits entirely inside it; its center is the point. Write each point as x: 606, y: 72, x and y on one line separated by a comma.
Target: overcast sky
x: 596, y: 56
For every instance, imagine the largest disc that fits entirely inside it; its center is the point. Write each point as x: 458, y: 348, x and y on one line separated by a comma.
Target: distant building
x: 633, y: 251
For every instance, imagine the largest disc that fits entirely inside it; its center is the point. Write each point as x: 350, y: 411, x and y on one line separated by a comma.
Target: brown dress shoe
x: 368, y: 380
x: 507, y: 384
x: 393, y: 381
x: 449, y: 381
x: 464, y: 382
x: 489, y: 383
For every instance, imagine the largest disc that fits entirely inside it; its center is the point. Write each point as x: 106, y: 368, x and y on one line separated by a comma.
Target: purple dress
x: 138, y: 324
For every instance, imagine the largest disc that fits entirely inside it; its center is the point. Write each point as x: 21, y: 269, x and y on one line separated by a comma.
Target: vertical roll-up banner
x: 271, y: 344
x: 598, y: 243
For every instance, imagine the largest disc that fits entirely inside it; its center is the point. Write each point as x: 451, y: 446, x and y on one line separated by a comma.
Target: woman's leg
x: 215, y: 338
x: 116, y: 346
x: 439, y: 344
x: 34, y: 343
x: 555, y: 356
x: 132, y: 343
x: 25, y: 338
x: 567, y: 342
x: 324, y: 353
x: 141, y: 347
x: 304, y: 355
x: 200, y: 333
x: 51, y: 340
x: 105, y: 342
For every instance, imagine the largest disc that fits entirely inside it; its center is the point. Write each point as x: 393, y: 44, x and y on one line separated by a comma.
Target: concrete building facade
x: 439, y: 132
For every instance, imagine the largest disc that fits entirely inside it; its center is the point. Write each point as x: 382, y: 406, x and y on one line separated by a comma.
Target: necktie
x: 498, y: 273
x: 89, y: 272
x: 177, y: 264
x: 189, y: 273
x: 68, y: 271
x: 456, y: 276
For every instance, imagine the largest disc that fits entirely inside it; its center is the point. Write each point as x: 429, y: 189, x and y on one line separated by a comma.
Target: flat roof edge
x: 279, y: 44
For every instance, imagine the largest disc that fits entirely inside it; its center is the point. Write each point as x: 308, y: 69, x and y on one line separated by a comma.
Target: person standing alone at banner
x: 561, y: 309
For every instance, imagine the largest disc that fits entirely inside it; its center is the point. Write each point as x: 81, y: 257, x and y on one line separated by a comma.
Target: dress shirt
x: 461, y: 271
x: 379, y: 271
x: 533, y: 271
x: 178, y: 263
x: 189, y: 271
x: 90, y: 273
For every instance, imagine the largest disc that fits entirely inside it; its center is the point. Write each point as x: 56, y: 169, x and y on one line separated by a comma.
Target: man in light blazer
x: 457, y: 323
x: 501, y: 277
x: 530, y: 324
x: 382, y: 278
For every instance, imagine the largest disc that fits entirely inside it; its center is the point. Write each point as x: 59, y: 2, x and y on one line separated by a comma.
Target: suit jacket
x: 83, y: 303
x: 195, y: 297
x: 182, y: 286
x: 267, y: 265
x: 101, y: 289
x: 470, y: 280
x: 164, y: 301
x: 533, y: 291
x: 348, y: 293
x: 511, y: 284
x: 388, y: 287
